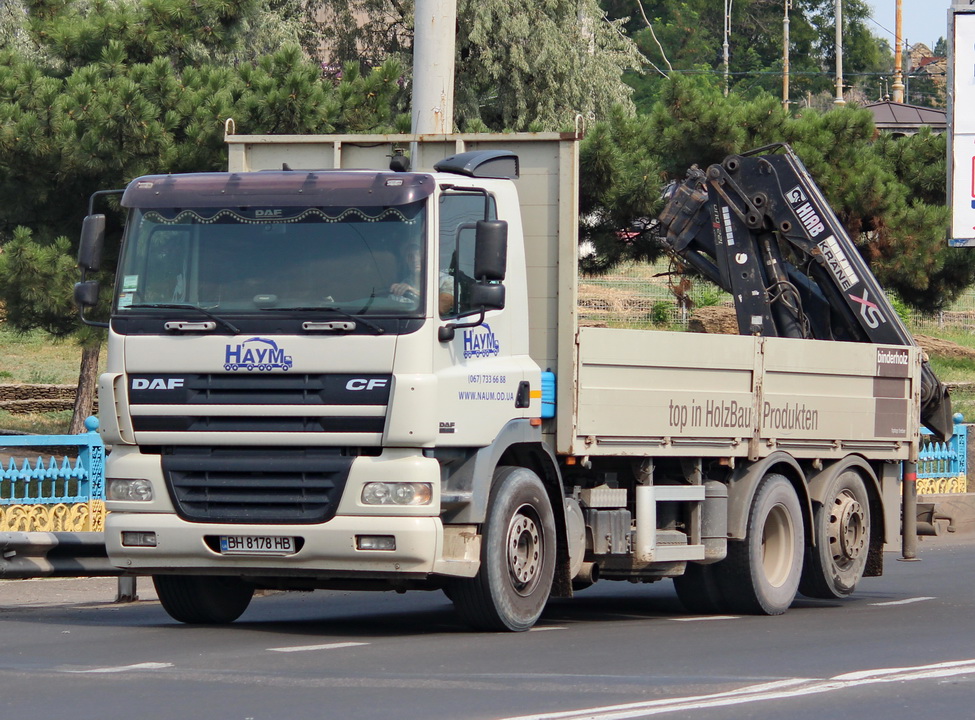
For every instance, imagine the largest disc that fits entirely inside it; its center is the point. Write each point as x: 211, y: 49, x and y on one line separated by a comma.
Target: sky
x: 923, y: 20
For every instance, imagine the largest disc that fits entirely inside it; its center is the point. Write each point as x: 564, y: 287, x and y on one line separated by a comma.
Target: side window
x: 459, y: 213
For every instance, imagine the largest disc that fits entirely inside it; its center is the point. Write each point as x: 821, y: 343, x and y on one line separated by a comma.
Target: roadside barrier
x: 943, y: 467
x: 59, y: 554
x: 54, y: 494
x: 52, y: 510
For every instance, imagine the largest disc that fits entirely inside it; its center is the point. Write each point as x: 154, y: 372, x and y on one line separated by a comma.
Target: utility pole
x: 839, y: 54
x: 435, y: 24
x: 898, y: 87
x: 785, y: 56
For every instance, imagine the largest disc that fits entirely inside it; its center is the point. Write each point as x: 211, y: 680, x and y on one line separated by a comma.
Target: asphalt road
x: 903, y: 646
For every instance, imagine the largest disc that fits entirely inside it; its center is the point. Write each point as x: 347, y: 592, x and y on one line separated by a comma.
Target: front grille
x: 358, y: 401
x: 259, y: 389
x: 252, y: 423
x: 256, y: 485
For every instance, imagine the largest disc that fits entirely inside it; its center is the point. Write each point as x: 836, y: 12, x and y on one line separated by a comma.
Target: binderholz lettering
x: 792, y: 416
x: 892, y: 357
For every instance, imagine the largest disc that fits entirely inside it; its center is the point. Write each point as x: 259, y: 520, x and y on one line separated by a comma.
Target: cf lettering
x: 364, y: 384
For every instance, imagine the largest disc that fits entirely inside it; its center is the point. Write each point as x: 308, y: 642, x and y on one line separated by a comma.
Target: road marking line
x: 903, y: 602
x: 546, y: 628
x: 124, y: 668
x: 706, y: 618
x: 783, y: 689
x: 309, y: 648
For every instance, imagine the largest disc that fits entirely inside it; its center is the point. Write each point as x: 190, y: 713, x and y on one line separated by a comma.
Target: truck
x: 356, y: 362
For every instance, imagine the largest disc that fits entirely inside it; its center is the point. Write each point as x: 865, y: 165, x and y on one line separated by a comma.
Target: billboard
x: 961, y: 125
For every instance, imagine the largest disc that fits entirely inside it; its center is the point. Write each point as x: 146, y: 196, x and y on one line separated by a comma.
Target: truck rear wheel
x: 761, y: 573
x: 841, y: 526
x: 203, y: 600
x: 512, y: 586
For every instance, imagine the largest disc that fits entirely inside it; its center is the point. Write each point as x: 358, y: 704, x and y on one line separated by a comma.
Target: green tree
x: 687, y: 36
x: 520, y: 64
x: 83, y: 111
x: 889, y: 193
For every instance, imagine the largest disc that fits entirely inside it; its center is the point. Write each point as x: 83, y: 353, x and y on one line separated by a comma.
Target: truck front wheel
x: 761, y: 573
x: 842, y: 531
x: 517, y: 557
x: 203, y: 600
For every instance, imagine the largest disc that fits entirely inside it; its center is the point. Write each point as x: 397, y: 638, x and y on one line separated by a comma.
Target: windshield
x: 360, y: 260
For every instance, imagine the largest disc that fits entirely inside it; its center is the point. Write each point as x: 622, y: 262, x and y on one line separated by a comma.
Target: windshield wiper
x: 330, y: 308
x: 183, y: 306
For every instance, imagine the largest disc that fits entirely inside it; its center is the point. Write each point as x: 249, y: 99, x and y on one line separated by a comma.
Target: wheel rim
x: 846, y: 530
x: 778, y: 546
x: 524, y: 542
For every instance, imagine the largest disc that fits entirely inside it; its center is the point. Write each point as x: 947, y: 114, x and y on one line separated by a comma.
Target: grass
x: 33, y: 359
x: 49, y: 423
x: 957, y: 370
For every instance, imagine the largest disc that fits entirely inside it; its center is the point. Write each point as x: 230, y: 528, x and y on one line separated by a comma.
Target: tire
x: 698, y: 590
x: 203, y: 600
x: 517, y: 569
x: 761, y: 574
x: 841, y: 526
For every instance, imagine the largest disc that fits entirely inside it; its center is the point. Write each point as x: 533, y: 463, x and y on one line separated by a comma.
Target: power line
x: 810, y: 73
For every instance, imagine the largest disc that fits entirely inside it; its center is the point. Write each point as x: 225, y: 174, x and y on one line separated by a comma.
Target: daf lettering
x: 364, y: 384
x: 268, y: 213
x: 157, y: 383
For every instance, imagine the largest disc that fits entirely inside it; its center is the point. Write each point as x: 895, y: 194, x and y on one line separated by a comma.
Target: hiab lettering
x: 810, y: 220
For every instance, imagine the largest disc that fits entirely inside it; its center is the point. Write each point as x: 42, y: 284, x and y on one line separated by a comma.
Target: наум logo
x: 480, y: 342
x: 256, y: 354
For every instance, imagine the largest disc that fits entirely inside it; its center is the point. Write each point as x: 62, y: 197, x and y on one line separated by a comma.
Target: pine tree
x: 889, y: 193
x: 688, y: 36
x: 92, y: 105
x: 520, y: 64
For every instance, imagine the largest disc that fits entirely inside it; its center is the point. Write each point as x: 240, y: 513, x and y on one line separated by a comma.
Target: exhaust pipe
x: 586, y: 577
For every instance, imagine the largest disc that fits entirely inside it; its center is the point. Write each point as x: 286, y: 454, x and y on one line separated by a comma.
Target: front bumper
x: 326, y: 550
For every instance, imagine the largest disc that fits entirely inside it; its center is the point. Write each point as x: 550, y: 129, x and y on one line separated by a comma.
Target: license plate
x: 256, y: 545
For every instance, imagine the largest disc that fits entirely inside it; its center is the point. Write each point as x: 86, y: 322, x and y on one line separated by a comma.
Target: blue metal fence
x: 943, y: 466
x: 54, y: 493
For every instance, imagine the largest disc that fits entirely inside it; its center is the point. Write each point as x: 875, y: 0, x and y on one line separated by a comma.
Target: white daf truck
x: 328, y: 377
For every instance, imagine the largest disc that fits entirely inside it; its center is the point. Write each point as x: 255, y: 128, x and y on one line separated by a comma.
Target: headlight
x: 380, y: 493
x: 128, y: 489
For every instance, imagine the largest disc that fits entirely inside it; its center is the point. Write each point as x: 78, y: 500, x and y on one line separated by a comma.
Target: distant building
x: 926, y: 66
x: 903, y: 120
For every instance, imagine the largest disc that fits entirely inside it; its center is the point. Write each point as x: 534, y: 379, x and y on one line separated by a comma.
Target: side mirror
x: 86, y: 294
x: 491, y: 250
x: 487, y: 296
x: 92, y: 241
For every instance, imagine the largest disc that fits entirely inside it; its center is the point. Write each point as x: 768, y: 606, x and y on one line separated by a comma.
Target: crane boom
x: 759, y: 227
